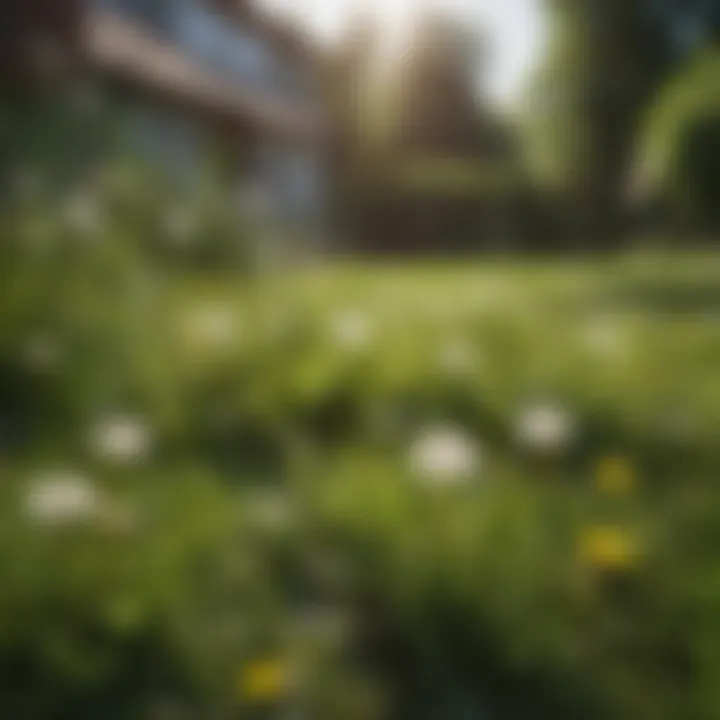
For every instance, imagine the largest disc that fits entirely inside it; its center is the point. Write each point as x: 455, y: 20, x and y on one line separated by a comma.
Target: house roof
x: 119, y: 47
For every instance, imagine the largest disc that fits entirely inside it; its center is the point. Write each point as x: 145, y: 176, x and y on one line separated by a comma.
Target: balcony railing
x: 117, y: 44
x: 239, y: 55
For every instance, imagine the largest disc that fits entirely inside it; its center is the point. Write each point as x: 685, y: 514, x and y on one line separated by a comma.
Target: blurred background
x: 358, y: 360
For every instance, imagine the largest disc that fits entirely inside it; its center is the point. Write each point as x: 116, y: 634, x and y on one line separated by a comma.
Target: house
x: 194, y: 78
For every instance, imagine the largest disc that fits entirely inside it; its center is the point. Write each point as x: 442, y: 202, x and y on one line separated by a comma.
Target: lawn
x: 365, y: 491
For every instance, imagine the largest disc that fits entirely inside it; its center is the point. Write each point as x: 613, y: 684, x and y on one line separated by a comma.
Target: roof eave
x: 117, y: 46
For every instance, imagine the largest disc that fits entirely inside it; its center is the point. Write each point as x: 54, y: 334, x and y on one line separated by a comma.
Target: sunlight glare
x: 515, y: 30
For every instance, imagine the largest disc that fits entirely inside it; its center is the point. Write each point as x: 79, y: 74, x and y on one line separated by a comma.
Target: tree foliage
x: 679, y: 149
x: 605, y: 61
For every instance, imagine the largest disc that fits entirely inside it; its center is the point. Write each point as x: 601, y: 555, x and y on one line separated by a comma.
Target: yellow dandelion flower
x: 263, y: 680
x: 616, y: 475
x: 608, y: 548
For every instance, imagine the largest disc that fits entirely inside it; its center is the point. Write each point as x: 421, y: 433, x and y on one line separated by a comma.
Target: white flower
x: 213, y: 326
x: 545, y: 427
x: 83, y: 214
x: 445, y: 455
x: 351, y: 329
x: 62, y: 498
x: 121, y: 438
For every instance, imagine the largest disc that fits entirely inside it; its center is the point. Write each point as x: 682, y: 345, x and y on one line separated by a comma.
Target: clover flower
x: 445, y: 455
x: 122, y: 439
x: 545, y: 427
x: 62, y: 498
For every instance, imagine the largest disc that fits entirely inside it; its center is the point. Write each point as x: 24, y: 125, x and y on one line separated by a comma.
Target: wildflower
x: 121, y: 438
x: 82, y: 214
x: 264, y: 681
x: 615, y: 475
x: 546, y: 428
x: 445, y: 456
x: 608, y: 548
x: 212, y: 327
x: 351, y: 330
x: 62, y: 498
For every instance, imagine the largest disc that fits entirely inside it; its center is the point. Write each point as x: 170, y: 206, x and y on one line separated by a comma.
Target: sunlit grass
x: 488, y: 465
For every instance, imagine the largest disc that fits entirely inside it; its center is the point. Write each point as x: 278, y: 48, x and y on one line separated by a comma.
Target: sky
x: 514, y: 30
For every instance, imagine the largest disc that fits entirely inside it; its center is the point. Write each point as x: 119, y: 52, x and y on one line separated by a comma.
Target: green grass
x: 286, y: 414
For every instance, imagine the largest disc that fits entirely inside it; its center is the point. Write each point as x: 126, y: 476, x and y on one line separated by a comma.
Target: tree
x: 606, y: 59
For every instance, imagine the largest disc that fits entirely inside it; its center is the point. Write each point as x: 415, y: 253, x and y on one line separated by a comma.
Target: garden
x: 344, y: 489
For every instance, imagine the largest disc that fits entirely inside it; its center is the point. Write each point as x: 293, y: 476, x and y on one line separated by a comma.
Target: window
x: 223, y: 46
